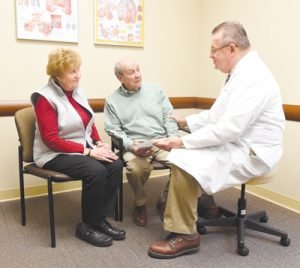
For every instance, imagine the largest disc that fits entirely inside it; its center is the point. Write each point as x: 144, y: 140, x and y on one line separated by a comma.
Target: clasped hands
x: 103, y: 152
x: 168, y: 143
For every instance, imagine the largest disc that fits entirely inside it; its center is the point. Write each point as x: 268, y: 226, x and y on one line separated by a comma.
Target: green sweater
x: 139, y: 115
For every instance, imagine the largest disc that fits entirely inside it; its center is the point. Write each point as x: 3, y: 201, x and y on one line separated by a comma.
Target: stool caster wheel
x: 264, y: 219
x: 201, y: 230
x: 244, y: 251
x: 285, y: 241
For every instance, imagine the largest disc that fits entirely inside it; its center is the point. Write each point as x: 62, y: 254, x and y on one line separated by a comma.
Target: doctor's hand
x: 180, y: 121
x: 168, y: 143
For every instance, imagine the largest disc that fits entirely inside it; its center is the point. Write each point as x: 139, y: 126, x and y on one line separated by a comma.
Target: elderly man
x: 139, y: 112
x: 239, y: 138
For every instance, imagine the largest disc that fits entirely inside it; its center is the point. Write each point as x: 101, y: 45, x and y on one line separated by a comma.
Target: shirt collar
x: 128, y: 92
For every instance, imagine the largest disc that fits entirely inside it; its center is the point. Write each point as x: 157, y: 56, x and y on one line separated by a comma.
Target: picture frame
x: 119, y: 22
x: 47, y: 20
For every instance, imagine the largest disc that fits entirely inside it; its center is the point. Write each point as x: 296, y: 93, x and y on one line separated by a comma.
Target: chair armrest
x: 117, y: 145
x: 185, y: 129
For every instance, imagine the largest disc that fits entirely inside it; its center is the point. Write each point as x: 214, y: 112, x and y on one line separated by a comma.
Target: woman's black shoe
x: 92, y: 236
x: 106, y: 228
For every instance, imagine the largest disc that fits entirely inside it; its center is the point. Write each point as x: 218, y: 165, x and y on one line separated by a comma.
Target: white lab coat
x: 241, y: 136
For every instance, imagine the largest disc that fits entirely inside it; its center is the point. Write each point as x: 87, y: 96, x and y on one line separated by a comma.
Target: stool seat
x: 263, y: 179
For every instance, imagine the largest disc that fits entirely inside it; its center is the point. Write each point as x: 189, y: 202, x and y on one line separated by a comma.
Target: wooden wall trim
x: 292, y: 112
x: 8, y: 108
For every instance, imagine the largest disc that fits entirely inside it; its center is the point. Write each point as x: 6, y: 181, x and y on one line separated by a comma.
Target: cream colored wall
x: 272, y: 27
x: 168, y: 57
x: 176, y: 55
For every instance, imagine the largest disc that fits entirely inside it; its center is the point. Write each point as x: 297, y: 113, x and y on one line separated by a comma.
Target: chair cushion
x: 47, y: 174
x: 158, y: 165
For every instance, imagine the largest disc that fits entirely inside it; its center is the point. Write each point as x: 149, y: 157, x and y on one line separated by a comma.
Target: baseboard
x: 34, y: 191
x: 40, y: 190
x: 261, y: 192
x: 276, y: 198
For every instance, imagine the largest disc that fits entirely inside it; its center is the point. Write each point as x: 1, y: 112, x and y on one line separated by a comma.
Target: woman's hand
x: 101, y: 144
x: 103, y: 153
x: 168, y: 143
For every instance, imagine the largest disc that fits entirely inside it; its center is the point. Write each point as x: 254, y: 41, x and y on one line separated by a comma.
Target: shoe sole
x: 118, y: 238
x: 138, y: 224
x: 107, y: 244
x: 169, y: 256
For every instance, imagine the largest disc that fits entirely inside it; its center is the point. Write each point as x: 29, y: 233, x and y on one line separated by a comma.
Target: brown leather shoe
x: 175, y: 245
x: 140, y: 216
x: 207, y: 207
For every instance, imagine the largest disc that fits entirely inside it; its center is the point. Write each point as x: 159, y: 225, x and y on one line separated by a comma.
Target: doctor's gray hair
x: 233, y: 32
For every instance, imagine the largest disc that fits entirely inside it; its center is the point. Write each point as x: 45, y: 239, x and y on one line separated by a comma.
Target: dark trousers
x: 100, y: 183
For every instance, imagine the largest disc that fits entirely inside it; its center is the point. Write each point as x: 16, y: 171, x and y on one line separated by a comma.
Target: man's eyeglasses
x: 213, y: 50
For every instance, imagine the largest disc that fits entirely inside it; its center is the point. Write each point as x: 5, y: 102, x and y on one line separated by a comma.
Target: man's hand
x: 168, y: 143
x: 143, y: 149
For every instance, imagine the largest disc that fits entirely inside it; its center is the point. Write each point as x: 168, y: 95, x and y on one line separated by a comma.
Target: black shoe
x: 207, y: 207
x: 114, y: 232
x: 92, y: 236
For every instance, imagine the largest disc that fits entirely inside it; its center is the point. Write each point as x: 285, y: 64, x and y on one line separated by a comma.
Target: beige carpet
x: 29, y: 246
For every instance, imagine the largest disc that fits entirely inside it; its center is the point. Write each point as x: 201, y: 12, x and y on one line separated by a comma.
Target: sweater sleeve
x: 169, y: 124
x: 46, y: 117
x: 95, y: 135
x: 113, y: 125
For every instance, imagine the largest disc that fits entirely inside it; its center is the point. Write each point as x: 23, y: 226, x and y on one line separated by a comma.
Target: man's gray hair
x: 233, y: 32
x: 118, y: 69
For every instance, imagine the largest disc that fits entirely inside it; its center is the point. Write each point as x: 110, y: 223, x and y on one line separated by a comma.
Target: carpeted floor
x: 29, y: 246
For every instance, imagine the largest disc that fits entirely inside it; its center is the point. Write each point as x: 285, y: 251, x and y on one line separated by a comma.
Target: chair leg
x: 258, y: 216
x: 51, y: 213
x: 119, y: 204
x: 241, y: 232
x: 263, y: 228
x: 117, y: 208
x: 22, y: 199
x: 241, y: 221
x: 22, y: 191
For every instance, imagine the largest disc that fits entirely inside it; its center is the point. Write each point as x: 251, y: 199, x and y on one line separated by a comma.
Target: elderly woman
x: 66, y: 140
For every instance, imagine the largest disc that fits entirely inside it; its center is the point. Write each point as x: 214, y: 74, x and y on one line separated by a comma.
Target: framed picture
x: 47, y: 20
x: 119, y: 22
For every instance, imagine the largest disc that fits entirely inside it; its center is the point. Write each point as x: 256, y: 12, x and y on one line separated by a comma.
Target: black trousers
x: 100, y: 179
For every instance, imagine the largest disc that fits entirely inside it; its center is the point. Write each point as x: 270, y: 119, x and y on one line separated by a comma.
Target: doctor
x: 240, y: 137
